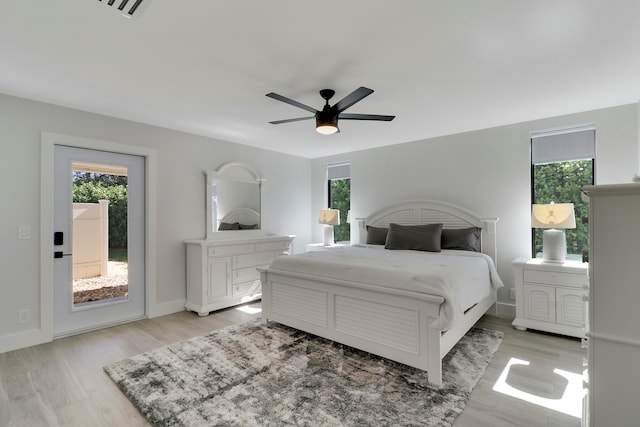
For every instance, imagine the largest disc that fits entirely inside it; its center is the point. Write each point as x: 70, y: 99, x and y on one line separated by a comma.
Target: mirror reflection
x: 237, y: 204
x: 233, y: 199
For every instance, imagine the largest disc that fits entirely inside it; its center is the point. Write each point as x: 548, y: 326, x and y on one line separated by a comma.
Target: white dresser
x: 222, y: 272
x: 614, y: 301
x: 550, y: 297
x: 311, y: 247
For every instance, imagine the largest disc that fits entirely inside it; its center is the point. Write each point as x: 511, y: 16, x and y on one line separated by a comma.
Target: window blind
x: 562, y: 146
x: 339, y: 171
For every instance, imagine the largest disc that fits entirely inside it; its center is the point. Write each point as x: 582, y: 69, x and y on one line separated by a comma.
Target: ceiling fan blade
x: 347, y: 116
x: 277, y: 122
x: 352, y: 98
x: 291, y: 102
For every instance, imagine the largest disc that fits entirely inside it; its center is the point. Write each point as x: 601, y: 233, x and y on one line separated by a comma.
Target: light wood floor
x: 63, y: 384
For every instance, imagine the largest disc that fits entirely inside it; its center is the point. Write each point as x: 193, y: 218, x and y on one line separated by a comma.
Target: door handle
x: 59, y: 254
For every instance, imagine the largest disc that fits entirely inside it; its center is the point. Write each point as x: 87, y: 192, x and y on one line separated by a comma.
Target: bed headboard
x: 416, y: 212
x: 243, y: 216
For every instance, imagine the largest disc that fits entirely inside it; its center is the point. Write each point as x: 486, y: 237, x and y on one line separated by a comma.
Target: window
x: 339, y: 197
x: 562, y: 162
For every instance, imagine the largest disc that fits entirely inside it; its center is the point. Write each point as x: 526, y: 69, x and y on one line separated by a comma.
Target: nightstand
x: 322, y: 247
x: 551, y: 297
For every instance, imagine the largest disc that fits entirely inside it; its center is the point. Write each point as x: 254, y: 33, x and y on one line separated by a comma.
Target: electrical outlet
x: 24, y: 315
x: 513, y: 293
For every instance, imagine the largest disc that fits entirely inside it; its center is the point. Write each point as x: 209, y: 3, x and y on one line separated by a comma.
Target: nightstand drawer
x: 555, y: 278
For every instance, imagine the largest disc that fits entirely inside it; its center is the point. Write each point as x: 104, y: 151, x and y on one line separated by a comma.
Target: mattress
x: 462, y: 278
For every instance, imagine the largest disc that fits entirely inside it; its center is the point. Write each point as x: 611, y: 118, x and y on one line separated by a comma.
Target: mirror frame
x: 237, y: 172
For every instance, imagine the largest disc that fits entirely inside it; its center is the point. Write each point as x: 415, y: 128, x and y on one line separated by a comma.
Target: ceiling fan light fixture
x: 326, y: 122
x: 327, y: 128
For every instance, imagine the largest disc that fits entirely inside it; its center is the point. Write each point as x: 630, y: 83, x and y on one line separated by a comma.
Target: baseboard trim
x: 23, y: 339
x: 506, y: 310
x: 165, y: 308
x: 614, y: 339
x: 33, y: 337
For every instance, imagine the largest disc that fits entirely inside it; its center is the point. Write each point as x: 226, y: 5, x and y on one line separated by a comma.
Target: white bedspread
x: 462, y: 278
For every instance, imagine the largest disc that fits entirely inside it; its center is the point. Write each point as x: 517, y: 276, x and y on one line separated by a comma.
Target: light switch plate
x: 24, y: 232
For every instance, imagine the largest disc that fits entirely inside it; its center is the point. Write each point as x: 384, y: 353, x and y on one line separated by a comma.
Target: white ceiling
x: 442, y: 67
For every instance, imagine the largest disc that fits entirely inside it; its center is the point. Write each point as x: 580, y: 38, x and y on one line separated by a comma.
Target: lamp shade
x: 553, y: 215
x: 329, y: 217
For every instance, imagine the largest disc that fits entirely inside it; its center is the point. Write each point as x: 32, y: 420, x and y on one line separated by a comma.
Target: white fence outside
x: 90, y: 239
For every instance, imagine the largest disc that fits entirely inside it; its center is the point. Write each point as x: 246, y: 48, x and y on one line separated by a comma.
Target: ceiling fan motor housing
x: 327, y: 116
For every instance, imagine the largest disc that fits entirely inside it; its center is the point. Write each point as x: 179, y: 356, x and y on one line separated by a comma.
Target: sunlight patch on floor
x: 570, y: 403
x: 249, y: 310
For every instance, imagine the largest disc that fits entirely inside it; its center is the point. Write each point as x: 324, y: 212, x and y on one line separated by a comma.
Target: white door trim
x: 48, y: 140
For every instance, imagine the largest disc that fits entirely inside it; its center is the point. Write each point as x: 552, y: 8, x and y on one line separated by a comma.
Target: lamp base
x: 554, y: 246
x: 328, y: 235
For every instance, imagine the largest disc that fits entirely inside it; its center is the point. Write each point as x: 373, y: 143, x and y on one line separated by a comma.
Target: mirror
x: 233, y: 200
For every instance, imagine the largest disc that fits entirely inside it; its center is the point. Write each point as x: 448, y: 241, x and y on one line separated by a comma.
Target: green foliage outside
x: 118, y: 254
x: 103, y: 178
x: 88, y: 189
x: 561, y: 183
x: 340, y: 193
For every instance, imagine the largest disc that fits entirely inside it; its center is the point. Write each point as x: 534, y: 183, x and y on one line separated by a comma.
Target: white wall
x: 486, y: 171
x: 181, y: 160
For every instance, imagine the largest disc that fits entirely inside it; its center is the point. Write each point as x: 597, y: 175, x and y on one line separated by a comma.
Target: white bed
x: 413, y: 323
x: 245, y: 216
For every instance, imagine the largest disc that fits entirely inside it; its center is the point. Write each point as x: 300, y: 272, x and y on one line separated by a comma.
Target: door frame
x: 48, y: 141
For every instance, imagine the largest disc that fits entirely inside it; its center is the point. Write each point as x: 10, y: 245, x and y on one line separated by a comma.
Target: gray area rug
x: 256, y: 375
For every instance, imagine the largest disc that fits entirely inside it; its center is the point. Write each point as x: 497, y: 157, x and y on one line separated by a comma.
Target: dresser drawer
x: 245, y: 275
x: 249, y: 288
x: 555, y: 278
x: 252, y: 260
x: 227, y: 250
x: 273, y: 246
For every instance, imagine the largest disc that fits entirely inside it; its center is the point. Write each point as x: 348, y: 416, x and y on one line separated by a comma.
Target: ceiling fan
x: 327, y: 118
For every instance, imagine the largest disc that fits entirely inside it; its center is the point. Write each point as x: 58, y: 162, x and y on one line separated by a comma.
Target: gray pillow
x: 248, y: 226
x: 228, y: 226
x: 426, y: 237
x: 376, y: 235
x: 465, y: 239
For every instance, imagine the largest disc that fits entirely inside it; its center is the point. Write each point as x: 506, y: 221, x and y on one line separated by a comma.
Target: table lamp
x: 554, y: 218
x: 329, y: 217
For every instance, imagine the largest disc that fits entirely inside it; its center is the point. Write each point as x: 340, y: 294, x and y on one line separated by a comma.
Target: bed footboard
x: 387, y: 322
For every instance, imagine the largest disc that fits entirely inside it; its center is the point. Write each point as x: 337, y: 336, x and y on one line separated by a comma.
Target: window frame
x: 592, y: 157
x: 343, y: 168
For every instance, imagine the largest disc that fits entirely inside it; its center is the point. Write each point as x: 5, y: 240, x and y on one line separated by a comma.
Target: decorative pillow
x: 248, y: 226
x: 376, y: 235
x: 465, y: 239
x: 228, y: 226
x: 426, y: 237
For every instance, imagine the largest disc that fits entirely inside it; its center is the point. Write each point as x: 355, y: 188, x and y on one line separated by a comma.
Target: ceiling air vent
x: 123, y: 7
